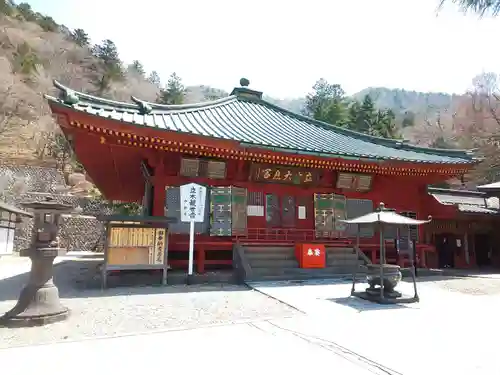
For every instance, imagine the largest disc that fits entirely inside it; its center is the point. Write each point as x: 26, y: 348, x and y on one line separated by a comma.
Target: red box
x: 310, y: 255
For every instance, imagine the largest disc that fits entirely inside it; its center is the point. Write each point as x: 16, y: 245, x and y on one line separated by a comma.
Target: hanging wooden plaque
x: 354, y: 181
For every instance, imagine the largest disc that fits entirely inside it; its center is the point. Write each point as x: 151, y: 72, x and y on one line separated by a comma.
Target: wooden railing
x: 289, y: 235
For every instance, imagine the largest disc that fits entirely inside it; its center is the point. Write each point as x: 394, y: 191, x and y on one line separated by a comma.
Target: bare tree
x: 478, y: 126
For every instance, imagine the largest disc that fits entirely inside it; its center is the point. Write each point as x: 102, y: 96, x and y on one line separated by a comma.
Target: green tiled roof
x: 245, y: 117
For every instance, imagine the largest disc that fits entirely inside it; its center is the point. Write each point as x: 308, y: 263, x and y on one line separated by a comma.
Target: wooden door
x: 288, y: 211
x: 273, y: 211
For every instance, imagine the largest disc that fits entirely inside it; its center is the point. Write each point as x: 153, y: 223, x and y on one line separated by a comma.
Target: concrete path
x: 446, y: 332
x: 230, y: 349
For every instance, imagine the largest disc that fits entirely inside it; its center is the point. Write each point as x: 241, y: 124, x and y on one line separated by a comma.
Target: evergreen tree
x: 328, y: 103
x: 480, y: 7
x: 25, y: 10
x: 47, y: 23
x: 174, y: 92
x: 154, y: 78
x: 334, y: 113
x: 6, y: 7
x: 322, y: 96
x: 385, y: 124
x: 107, y: 53
x: 363, y: 116
x: 137, y: 68
x: 80, y: 37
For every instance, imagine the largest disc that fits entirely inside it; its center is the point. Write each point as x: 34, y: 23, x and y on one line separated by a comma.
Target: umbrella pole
x: 356, y: 268
x: 382, y: 260
x: 412, y: 266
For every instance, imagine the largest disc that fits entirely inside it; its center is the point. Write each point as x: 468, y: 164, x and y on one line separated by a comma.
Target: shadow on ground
x: 362, y: 306
x: 81, y: 277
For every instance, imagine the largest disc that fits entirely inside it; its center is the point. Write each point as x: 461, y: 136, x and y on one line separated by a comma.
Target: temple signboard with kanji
x: 271, y: 176
x: 283, y: 175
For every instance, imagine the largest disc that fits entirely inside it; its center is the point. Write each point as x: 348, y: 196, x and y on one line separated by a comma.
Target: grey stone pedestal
x: 38, y: 303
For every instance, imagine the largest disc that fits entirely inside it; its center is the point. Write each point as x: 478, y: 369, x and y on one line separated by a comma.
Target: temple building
x: 274, y: 177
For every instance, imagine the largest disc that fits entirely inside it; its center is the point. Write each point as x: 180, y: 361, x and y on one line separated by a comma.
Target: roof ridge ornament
x: 67, y: 95
x: 244, y: 82
x: 244, y: 92
x: 144, y: 107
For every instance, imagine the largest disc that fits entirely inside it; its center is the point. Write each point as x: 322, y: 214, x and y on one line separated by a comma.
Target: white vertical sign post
x: 193, y: 197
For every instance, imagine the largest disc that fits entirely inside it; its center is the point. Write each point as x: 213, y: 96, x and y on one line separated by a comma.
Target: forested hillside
x: 34, y: 50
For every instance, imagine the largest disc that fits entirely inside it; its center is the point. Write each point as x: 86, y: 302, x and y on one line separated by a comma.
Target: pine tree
x: 154, y: 78
x: 80, y: 37
x: 25, y: 10
x: 480, y: 7
x: 174, y: 92
x: 6, y: 7
x: 385, y: 124
x: 107, y: 53
x: 322, y: 96
x: 137, y: 68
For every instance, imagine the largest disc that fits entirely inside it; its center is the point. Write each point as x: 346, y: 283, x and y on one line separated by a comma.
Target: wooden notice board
x: 135, y: 243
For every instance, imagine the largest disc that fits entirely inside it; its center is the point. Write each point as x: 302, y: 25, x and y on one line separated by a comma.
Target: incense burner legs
x: 391, y: 278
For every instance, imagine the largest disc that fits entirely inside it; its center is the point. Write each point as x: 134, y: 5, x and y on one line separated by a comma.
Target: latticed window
x: 212, y: 169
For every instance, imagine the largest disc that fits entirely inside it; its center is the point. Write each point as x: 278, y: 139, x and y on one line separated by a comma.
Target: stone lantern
x: 39, y: 302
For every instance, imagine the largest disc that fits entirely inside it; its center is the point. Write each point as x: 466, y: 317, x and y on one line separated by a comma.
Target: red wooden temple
x: 276, y: 178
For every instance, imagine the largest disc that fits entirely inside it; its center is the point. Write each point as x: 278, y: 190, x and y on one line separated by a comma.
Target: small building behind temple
x: 275, y: 178
x: 9, y: 217
x: 464, y: 224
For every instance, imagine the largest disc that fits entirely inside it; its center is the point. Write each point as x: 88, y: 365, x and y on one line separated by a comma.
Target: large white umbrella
x: 386, y: 217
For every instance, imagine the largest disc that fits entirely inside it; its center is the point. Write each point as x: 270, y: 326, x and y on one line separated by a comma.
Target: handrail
x: 240, y: 260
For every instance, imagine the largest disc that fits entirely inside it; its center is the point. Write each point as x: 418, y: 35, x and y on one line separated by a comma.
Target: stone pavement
x: 234, y: 348
x: 447, y: 332
x: 13, y: 265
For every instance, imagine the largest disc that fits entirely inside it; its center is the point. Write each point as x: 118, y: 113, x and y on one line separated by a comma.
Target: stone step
x: 340, y: 250
x: 273, y: 263
x: 302, y: 271
x: 304, y: 274
x: 270, y: 256
x: 343, y: 262
x: 268, y: 249
x: 336, y: 255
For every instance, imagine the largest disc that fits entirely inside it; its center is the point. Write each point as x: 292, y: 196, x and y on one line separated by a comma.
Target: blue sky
x: 283, y: 47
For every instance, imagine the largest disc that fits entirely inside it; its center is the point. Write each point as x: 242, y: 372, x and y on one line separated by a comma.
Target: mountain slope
x: 34, y: 50
x: 401, y: 101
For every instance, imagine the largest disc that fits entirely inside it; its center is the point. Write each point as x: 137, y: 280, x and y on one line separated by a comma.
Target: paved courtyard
x: 451, y: 331
x: 130, y: 310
